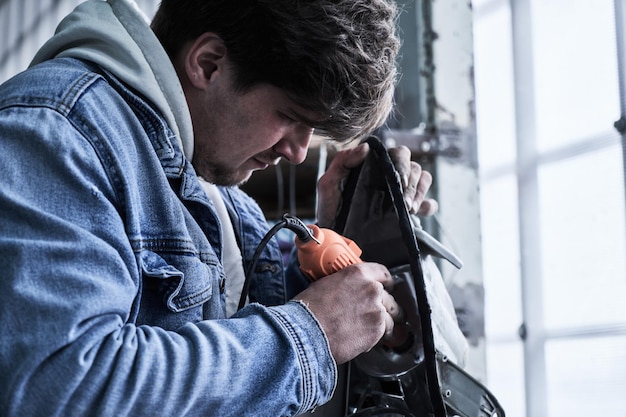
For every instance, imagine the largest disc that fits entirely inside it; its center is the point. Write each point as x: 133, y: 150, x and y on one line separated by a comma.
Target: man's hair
x: 334, y: 57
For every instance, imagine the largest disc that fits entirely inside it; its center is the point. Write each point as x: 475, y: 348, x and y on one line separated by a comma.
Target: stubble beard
x: 230, y: 179
x: 220, y: 175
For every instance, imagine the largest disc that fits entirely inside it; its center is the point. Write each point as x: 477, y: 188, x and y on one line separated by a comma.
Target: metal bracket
x: 447, y: 141
x: 620, y: 125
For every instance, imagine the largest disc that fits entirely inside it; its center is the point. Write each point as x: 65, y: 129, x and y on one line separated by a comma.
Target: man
x: 113, y: 288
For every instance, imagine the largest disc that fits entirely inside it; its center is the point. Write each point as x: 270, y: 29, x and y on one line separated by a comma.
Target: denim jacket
x: 111, y: 295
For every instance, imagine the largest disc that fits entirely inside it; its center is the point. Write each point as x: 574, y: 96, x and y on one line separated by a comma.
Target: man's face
x: 237, y: 133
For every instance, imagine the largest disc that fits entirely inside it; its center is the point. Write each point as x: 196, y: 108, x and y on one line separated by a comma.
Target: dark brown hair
x: 335, y: 57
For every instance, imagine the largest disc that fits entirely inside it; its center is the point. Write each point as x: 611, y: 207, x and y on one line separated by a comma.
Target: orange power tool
x: 326, y: 252
x: 323, y: 252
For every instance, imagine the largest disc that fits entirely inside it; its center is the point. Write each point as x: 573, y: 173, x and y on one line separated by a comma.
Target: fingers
x: 394, y: 334
x: 353, y: 308
x: 415, y: 181
x: 329, y: 185
x: 379, y: 289
x: 401, y: 158
x: 351, y: 157
x: 418, y: 184
x: 383, y: 276
x: 344, y: 161
x: 391, y: 306
x: 389, y: 325
x: 392, y: 311
x: 428, y: 207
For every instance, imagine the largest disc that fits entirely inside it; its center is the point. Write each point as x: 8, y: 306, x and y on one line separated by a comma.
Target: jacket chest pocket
x: 175, y: 289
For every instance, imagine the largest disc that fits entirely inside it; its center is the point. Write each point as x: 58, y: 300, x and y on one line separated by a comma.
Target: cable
x: 292, y: 223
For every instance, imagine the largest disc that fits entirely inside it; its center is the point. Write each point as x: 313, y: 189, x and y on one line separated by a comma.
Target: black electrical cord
x: 292, y: 223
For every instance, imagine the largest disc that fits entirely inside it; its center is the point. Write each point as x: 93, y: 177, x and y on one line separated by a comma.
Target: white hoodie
x: 116, y: 35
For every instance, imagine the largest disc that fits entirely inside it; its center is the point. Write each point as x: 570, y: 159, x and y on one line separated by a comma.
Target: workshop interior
x: 517, y: 285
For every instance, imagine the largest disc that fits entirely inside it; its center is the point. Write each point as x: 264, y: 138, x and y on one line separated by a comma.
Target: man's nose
x: 295, y: 144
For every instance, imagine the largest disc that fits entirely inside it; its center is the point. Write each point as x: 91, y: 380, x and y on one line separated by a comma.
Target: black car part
x: 412, y: 379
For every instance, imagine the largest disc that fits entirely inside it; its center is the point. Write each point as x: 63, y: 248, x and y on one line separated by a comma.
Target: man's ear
x: 204, y: 59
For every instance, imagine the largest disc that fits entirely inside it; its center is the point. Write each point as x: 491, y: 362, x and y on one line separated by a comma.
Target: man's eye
x: 288, y: 118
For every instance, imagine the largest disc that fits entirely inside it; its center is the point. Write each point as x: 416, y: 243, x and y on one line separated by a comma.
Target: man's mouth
x: 264, y: 164
x: 259, y: 165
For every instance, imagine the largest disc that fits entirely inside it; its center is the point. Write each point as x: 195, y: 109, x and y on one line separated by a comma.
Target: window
x: 553, y: 211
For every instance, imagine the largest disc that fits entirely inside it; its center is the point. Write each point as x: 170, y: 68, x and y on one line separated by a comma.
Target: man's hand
x: 353, y: 307
x: 415, y: 182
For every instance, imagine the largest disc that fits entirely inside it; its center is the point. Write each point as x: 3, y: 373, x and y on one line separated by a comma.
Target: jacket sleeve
x: 69, y: 284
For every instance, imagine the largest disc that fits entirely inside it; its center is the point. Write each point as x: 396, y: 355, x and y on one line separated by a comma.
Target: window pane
x: 586, y: 377
x: 583, y: 231
x: 575, y: 62
x: 494, y: 87
x: 501, y: 257
x: 505, y: 376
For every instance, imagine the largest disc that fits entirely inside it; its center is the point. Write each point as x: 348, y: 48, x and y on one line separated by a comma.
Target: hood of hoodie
x: 117, y: 36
